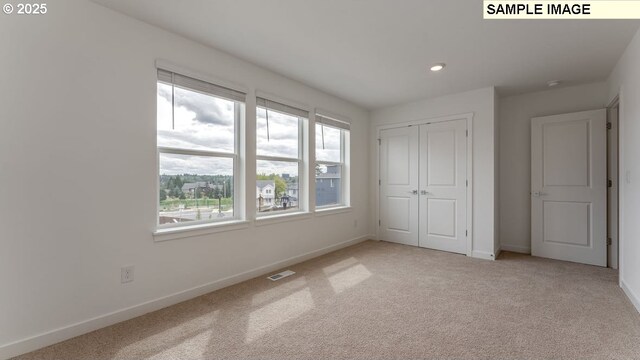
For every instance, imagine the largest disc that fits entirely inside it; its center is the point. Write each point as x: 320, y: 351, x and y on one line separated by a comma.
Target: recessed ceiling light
x: 553, y: 83
x: 438, y: 67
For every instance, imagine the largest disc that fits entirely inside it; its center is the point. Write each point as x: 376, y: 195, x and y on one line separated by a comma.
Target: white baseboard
x: 516, y: 248
x: 498, y: 251
x: 635, y: 299
x: 482, y: 255
x: 67, y: 332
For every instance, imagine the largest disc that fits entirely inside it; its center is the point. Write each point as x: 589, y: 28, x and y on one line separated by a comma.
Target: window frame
x: 239, y: 109
x: 345, y: 133
x: 300, y: 160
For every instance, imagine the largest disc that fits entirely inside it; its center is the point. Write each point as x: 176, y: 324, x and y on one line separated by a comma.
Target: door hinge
x: 379, y: 223
x: 467, y: 182
x: 609, y: 126
x: 609, y: 241
x: 609, y: 183
x: 466, y: 132
x: 466, y: 233
x: 379, y: 142
x: 379, y: 182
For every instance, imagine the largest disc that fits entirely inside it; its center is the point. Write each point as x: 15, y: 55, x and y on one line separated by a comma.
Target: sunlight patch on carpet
x: 275, y: 314
x: 330, y: 269
x: 278, y: 291
x: 185, y: 334
x: 349, y: 278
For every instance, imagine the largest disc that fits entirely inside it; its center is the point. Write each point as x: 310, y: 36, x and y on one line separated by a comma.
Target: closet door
x: 399, y: 185
x: 443, y: 186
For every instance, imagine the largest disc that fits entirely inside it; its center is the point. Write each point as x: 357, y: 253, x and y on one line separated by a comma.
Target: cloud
x: 174, y: 164
x: 274, y: 148
x: 207, y: 109
x: 204, y: 122
x: 332, y: 148
x: 202, y: 108
x: 281, y: 126
x: 179, y: 128
x: 276, y: 167
x: 164, y: 91
x: 196, y: 140
x: 283, y: 134
x: 331, y: 137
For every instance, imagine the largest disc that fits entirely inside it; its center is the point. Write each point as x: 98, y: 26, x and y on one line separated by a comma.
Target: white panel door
x: 399, y: 185
x: 569, y: 187
x: 443, y: 186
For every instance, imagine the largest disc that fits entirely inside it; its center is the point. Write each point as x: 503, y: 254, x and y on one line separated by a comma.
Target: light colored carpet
x: 378, y: 300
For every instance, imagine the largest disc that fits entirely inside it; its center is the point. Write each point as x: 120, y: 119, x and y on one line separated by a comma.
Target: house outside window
x: 279, y: 157
x: 332, y: 159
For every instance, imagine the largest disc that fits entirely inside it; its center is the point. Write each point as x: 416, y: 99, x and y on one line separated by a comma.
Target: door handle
x: 414, y: 192
x: 538, y: 193
x: 424, y: 192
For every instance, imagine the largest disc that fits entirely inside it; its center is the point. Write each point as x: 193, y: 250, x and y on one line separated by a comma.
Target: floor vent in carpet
x: 281, y: 275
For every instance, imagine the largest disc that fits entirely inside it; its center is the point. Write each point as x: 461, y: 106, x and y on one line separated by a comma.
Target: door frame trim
x: 613, y: 148
x: 464, y: 116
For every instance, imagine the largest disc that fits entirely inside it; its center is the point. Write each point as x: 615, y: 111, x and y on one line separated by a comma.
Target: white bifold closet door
x: 423, y: 185
x: 443, y: 188
x: 399, y: 185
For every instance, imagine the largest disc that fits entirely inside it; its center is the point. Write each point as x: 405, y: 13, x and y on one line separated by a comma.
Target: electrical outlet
x: 126, y: 274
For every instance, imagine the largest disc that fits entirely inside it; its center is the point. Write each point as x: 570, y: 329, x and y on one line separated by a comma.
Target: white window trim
x: 332, y: 210
x: 302, y: 179
x: 345, y: 158
x: 282, y: 216
x: 305, y: 172
x: 190, y: 230
x: 238, y: 173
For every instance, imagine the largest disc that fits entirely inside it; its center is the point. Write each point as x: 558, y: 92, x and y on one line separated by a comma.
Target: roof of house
x: 194, y: 185
x: 262, y: 183
x: 328, y: 176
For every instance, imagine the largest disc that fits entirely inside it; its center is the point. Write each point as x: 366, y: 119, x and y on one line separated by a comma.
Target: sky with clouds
x: 327, y: 143
x: 203, y: 122
x: 282, y: 139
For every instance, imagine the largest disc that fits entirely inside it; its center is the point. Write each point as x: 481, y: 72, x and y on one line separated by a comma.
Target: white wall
x: 515, y: 152
x: 625, y: 80
x: 482, y: 103
x: 78, y: 175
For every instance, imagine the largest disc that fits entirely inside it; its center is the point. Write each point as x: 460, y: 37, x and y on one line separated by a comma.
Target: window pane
x: 328, y: 143
x: 328, y: 185
x: 199, y: 121
x: 276, y: 186
x: 280, y: 138
x: 195, y: 188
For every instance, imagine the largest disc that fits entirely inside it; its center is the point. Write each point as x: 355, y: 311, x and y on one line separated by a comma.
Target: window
x: 197, y: 137
x: 279, y: 154
x: 332, y: 139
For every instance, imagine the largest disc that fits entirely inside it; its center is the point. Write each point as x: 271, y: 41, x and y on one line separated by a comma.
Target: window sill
x: 333, y: 210
x: 280, y: 218
x: 166, y: 234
